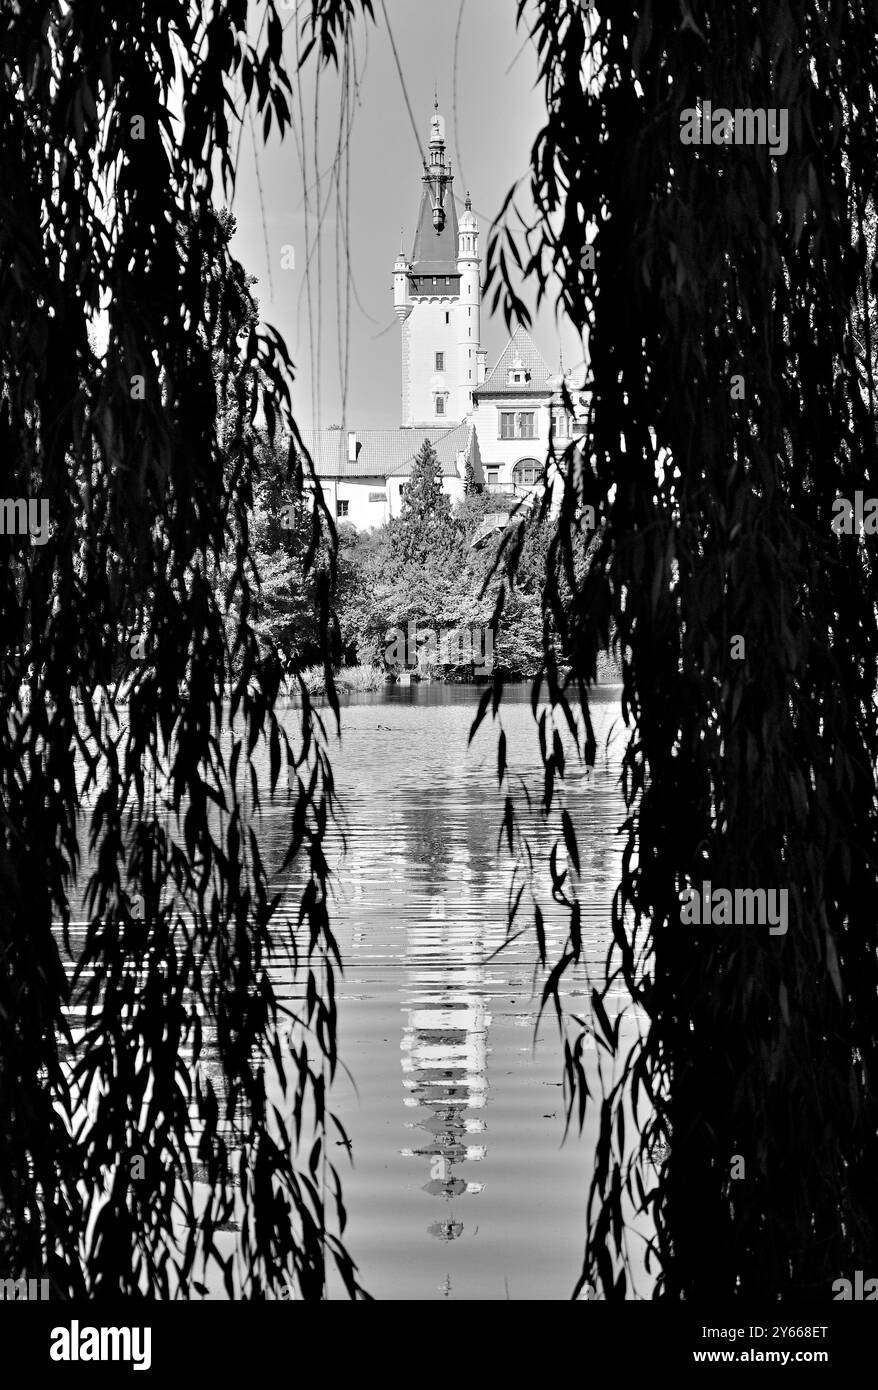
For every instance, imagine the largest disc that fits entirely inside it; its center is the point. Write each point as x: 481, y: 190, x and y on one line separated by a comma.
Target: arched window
x: 526, y: 472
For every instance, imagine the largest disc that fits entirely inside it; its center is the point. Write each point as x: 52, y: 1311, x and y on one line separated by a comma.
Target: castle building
x: 494, y: 423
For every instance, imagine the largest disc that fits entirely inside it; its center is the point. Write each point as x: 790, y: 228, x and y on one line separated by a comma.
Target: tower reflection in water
x: 445, y: 1048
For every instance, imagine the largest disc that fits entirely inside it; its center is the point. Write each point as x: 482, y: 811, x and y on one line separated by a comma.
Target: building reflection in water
x: 445, y: 1049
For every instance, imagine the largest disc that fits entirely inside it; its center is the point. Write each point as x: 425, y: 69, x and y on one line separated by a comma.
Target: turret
x: 401, y: 299
x: 468, y: 309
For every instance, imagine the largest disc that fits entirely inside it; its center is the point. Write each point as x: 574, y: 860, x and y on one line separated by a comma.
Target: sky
x: 493, y: 114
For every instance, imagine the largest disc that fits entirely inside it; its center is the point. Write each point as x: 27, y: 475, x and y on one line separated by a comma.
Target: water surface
x: 460, y: 1185
x: 457, y: 1183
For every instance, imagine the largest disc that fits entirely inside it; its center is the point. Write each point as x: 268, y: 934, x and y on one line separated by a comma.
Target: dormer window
x: 517, y: 373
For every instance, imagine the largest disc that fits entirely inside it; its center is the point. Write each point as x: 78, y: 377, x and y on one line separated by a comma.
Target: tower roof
x: 435, y: 253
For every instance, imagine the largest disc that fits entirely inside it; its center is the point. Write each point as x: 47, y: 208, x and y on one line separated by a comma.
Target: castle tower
x: 437, y: 298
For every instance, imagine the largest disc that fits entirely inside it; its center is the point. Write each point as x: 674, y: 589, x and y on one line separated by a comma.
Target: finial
x: 469, y: 203
x: 435, y: 97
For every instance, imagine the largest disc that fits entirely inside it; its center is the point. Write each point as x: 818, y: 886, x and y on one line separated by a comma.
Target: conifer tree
x: 424, y: 500
x: 424, y: 526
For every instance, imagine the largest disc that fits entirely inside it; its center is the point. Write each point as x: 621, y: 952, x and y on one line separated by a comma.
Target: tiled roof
x: 384, y: 453
x: 521, y: 346
x: 447, y: 449
x: 432, y: 253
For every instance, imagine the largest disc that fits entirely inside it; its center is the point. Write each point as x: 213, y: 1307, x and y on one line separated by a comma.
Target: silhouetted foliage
x: 715, y: 519
x: 147, y: 452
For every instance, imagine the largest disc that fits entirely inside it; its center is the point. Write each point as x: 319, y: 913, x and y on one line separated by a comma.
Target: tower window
x: 440, y: 405
x: 434, y: 279
x: 447, y: 317
x: 469, y: 313
x: 440, y: 361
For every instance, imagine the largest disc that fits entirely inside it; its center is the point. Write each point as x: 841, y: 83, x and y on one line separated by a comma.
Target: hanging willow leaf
x: 714, y: 261
x: 107, y: 219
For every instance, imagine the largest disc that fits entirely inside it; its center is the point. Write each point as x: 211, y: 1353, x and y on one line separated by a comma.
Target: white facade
x: 431, y: 395
x: 363, y: 502
x: 502, y: 457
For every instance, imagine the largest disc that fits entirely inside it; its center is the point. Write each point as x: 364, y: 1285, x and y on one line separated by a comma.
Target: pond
x: 459, y: 1182
x: 460, y: 1187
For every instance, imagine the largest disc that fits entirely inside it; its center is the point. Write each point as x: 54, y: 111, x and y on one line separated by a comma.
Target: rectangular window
x: 434, y: 279
x: 447, y: 318
x: 507, y: 424
x: 561, y: 421
x: 440, y: 405
x: 341, y: 508
x: 440, y: 361
x: 526, y: 428
x: 377, y: 496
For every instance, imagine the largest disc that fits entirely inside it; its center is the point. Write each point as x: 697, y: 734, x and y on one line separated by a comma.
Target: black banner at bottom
x: 67, y: 1343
